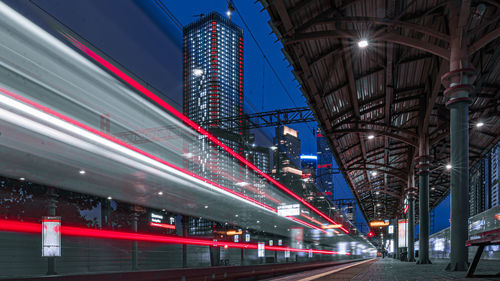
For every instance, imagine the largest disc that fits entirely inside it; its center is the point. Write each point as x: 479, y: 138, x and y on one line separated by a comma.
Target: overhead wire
x: 169, y: 14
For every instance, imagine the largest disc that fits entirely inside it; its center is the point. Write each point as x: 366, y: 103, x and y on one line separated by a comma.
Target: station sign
x: 247, y: 237
x: 159, y: 220
x: 236, y: 238
x: 280, y: 242
x: 232, y: 232
x: 289, y: 210
x: 51, y: 236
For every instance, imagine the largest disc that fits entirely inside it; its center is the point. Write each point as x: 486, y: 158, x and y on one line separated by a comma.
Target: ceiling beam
x: 435, y: 88
x: 410, y: 141
x: 386, y: 36
x: 380, y: 165
x: 381, y: 126
x: 483, y: 41
x: 415, y: 43
x: 387, y: 22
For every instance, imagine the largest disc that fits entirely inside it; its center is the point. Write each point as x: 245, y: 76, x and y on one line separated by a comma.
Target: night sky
x: 141, y: 37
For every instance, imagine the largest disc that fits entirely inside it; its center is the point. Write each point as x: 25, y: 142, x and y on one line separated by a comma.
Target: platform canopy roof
x: 373, y: 99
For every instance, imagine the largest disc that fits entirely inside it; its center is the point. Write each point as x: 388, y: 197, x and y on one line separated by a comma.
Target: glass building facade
x: 213, y: 70
x: 325, y: 165
x: 213, y: 89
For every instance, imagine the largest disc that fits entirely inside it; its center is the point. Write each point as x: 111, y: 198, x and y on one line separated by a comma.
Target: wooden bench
x: 491, y: 237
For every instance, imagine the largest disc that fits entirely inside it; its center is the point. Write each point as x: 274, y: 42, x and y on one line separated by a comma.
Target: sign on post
x: 260, y: 250
x: 391, y: 229
x: 287, y: 253
x: 51, y: 237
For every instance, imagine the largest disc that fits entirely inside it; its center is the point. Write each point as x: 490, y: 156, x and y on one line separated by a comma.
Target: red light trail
x: 192, y: 124
x: 36, y: 228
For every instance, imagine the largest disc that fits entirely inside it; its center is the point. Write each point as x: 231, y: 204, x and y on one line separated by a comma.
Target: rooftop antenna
x: 230, y: 9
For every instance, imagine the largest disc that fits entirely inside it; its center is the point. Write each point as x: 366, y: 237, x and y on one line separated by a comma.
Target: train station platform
x: 391, y: 269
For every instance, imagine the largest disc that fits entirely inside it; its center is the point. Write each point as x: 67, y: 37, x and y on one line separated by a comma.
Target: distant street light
x: 370, y: 137
x: 479, y: 124
x: 448, y: 166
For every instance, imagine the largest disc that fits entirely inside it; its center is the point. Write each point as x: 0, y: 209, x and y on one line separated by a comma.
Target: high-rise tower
x: 325, y: 164
x: 213, y: 70
x: 213, y: 89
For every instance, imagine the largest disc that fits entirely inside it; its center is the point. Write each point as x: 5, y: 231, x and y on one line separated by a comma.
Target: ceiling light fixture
x: 363, y: 43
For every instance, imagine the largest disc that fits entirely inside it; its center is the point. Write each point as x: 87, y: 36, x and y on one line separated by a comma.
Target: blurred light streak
x: 311, y: 219
x: 307, y: 224
x: 91, y: 130
x: 192, y: 124
x: 31, y: 227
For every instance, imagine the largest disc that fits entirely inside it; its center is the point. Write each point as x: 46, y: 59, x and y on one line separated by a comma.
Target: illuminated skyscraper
x: 287, y: 167
x: 477, y: 188
x: 213, y: 70
x: 494, y: 181
x: 213, y: 89
x: 324, y: 175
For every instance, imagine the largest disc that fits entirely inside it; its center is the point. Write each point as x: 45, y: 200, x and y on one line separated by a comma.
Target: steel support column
x: 411, y: 228
x: 395, y: 236
x: 423, y: 200
x: 458, y: 83
x: 412, y: 195
x: 51, y: 261
x: 459, y: 141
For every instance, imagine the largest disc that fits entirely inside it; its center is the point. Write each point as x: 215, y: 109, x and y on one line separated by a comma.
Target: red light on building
x: 370, y: 234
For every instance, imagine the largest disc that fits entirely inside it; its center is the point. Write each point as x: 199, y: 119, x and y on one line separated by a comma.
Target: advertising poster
x: 51, y: 237
x: 402, y: 233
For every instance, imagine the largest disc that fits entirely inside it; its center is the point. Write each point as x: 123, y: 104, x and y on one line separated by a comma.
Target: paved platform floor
x: 390, y: 269
x: 343, y: 271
